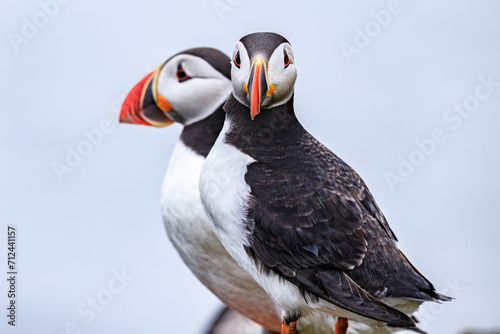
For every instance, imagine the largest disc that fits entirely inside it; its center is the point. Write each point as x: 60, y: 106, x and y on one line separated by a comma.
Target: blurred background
x: 408, y: 93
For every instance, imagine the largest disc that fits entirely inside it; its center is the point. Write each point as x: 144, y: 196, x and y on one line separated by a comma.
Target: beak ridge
x: 257, y: 86
x: 140, y: 105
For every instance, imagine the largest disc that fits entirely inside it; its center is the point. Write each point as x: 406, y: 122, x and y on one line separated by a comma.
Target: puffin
x: 190, y: 89
x: 294, y: 215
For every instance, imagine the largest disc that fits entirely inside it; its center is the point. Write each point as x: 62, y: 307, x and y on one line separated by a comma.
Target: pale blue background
x: 105, y: 216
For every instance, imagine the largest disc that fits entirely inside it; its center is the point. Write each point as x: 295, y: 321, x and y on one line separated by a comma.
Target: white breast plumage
x: 224, y: 173
x: 189, y: 230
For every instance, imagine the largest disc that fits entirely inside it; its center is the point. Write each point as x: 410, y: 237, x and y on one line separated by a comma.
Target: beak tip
x: 131, y: 106
x: 257, y: 86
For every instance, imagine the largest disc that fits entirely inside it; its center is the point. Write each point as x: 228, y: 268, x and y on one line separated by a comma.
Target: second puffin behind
x: 190, y: 88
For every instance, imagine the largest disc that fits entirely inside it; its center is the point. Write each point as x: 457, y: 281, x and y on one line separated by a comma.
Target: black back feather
x: 314, y: 222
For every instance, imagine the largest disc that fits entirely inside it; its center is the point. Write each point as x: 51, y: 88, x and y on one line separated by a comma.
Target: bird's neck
x: 270, y: 133
x: 201, y: 136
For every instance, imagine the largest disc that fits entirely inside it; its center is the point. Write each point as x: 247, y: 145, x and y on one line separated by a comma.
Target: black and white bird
x: 190, y: 88
x: 295, y: 216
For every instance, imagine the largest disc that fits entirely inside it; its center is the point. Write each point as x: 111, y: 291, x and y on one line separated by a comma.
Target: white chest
x: 188, y: 227
x: 225, y: 195
x: 185, y: 220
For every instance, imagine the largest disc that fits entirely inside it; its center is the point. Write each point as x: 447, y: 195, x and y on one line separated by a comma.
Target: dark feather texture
x: 214, y: 57
x: 264, y: 43
x: 313, y: 221
x: 201, y: 136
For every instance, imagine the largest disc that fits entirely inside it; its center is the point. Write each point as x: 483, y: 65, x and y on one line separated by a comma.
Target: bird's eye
x: 237, y: 60
x: 181, y: 74
x: 286, y: 59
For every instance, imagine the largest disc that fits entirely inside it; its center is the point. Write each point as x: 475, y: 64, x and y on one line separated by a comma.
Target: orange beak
x: 257, y: 86
x: 143, y: 105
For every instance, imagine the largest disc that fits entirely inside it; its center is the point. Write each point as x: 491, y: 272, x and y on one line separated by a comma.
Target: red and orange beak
x: 143, y: 105
x: 258, y: 85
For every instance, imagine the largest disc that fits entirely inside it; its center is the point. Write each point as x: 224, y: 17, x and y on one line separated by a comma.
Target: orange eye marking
x: 237, y: 60
x: 181, y: 74
x: 286, y: 59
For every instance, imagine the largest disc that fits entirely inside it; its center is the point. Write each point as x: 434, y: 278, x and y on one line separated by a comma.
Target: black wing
x: 312, y: 219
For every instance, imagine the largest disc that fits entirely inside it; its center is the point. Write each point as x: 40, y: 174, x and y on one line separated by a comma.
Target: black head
x: 263, y: 71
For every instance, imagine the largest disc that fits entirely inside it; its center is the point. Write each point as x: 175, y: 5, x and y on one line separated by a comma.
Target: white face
x: 193, y: 87
x: 281, y: 73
